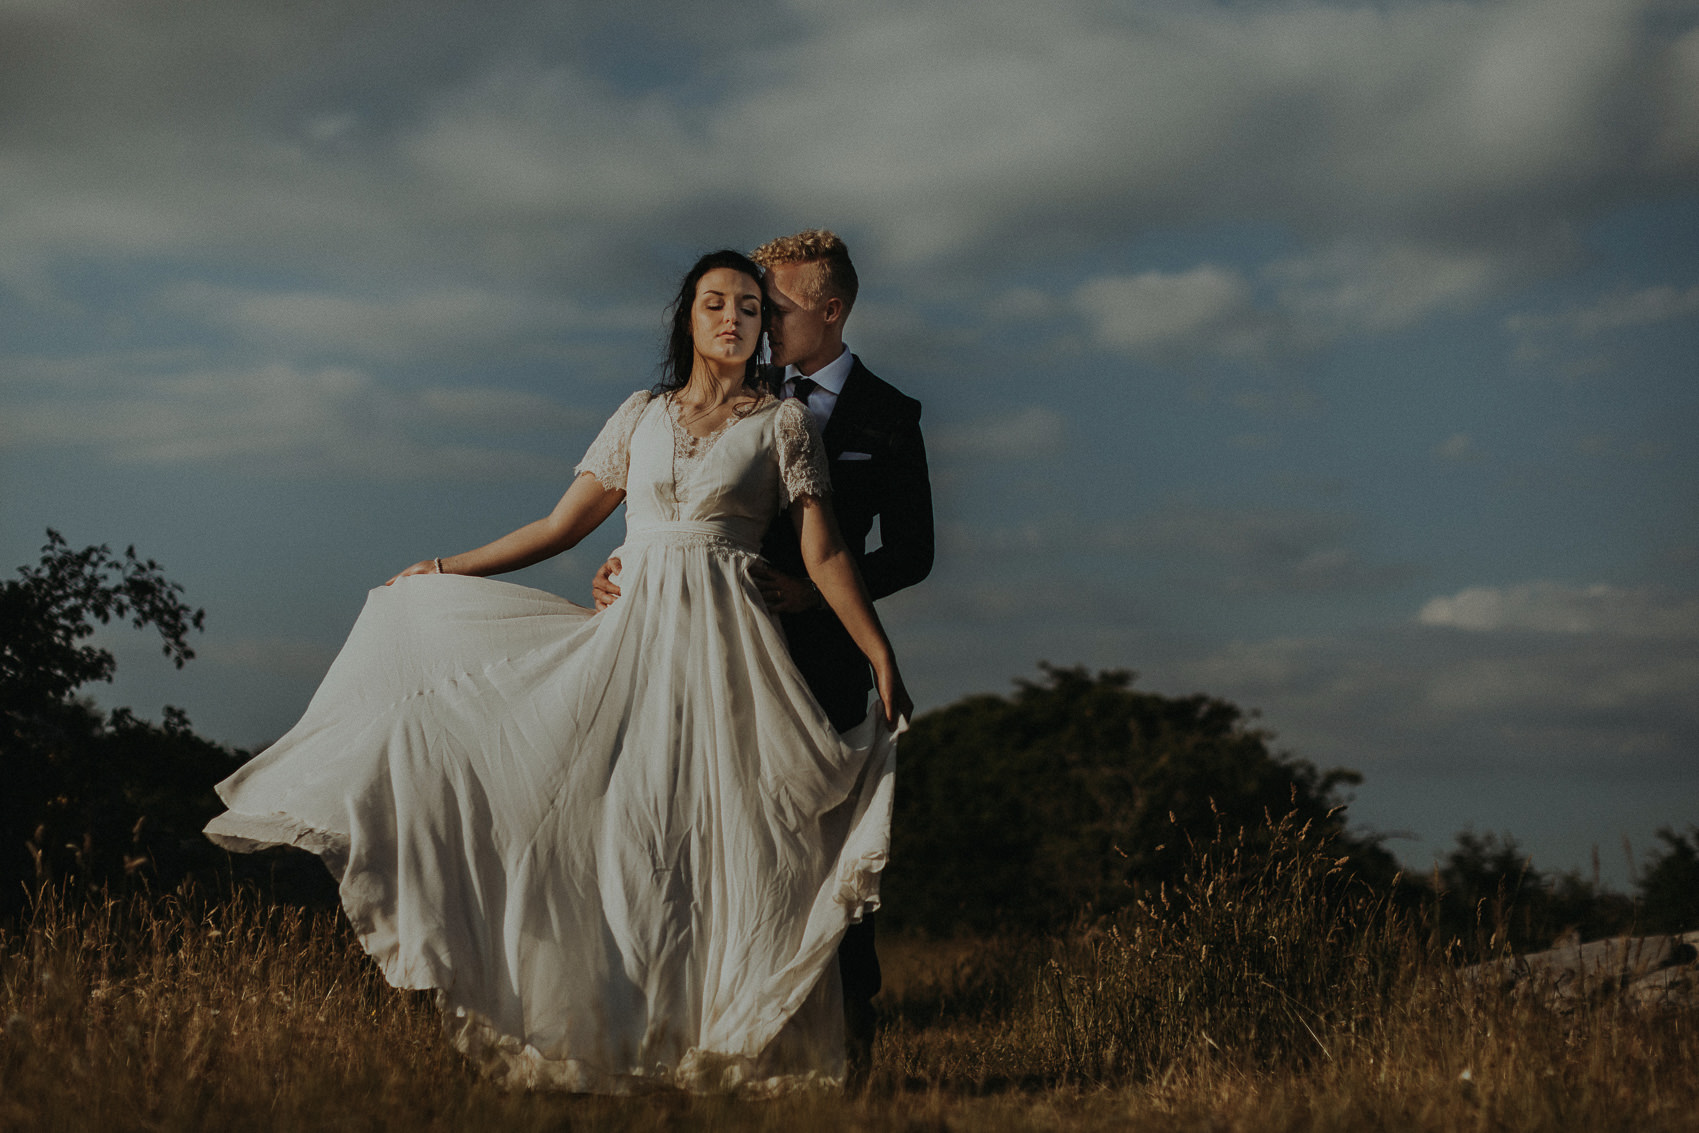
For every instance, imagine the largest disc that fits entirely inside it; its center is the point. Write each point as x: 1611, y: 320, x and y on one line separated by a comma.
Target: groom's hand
x: 603, y: 585
x: 782, y: 593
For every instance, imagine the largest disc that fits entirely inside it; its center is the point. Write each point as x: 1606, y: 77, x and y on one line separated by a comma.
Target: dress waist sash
x: 732, y: 535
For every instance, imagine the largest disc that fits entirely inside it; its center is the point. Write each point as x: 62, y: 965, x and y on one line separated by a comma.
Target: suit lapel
x: 846, y: 414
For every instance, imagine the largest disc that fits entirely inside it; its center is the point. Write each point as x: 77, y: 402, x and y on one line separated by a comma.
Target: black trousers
x: 858, y: 960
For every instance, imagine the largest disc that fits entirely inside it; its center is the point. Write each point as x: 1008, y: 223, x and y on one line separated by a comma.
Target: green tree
x: 1079, y: 792
x: 93, y: 796
x: 1669, y: 885
x: 1487, y: 896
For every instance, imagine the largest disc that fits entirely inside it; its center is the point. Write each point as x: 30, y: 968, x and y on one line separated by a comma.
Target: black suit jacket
x: 872, y: 420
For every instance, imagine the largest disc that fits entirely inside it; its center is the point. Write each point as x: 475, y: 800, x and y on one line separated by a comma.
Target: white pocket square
x: 855, y: 456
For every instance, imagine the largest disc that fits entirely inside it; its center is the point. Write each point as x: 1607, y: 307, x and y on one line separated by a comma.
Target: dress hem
x: 516, y: 1062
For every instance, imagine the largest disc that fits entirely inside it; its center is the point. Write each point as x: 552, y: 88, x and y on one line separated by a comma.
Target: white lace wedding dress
x: 625, y: 845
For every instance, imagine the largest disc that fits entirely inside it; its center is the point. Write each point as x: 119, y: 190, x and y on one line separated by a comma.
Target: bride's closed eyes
x: 716, y: 302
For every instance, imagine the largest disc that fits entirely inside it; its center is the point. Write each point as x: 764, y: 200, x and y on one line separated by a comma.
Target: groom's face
x: 800, y: 326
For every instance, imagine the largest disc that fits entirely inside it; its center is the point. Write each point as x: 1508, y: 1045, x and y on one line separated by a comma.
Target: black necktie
x: 802, y: 387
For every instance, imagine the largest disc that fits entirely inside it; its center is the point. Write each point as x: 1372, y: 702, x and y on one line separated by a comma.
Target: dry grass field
x: 1260, y: 995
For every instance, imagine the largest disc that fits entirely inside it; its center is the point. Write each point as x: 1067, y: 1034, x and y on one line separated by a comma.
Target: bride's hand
x: 428, y: 566
x: 892, y: 695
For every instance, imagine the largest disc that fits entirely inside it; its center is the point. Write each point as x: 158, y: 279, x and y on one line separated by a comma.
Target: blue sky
x: 1337, y: 359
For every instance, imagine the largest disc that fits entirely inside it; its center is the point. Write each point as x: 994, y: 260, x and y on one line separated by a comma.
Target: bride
x: 623, y: 846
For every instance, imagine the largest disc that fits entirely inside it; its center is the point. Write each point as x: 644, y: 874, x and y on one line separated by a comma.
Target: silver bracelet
x: 438, y: 561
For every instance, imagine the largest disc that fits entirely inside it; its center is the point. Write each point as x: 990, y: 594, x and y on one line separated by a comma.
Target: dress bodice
x: 730, y: 487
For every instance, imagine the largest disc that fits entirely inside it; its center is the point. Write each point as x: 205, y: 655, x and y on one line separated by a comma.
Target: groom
x: 878, y: 466
x: 877, y: 461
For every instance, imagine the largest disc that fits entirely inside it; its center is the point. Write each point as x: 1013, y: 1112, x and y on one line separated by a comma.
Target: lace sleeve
x: 802, y: 458
x: 610, y: 453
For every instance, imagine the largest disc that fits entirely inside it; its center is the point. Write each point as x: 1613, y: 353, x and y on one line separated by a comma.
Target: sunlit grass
x: 1263, y: 993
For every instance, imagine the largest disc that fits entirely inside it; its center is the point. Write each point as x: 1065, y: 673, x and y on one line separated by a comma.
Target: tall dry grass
x: 1268, y: 990
x: 1264, y: 992
x: 1264, y: 953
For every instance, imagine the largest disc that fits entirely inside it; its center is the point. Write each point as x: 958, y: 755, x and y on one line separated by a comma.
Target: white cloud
x: 1577, y: 683
x: 1024, y: 433
x: 1676, y: 81
x: 422, y: 324
x: 1640, y: 308
x: 1206, y: 307
x: 1354, y: 287
x: 1457, y: 448
x: 1608, y: 313
x: 1556, y: 608
x: 954, y: 127
x: 202, y: 416
x: 331, y: 420
x: 1411, y: 118
x: 1348, y: 287
x: 548, y: 142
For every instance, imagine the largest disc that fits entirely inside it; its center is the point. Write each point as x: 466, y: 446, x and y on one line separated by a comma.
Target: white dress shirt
x: 829, y: 380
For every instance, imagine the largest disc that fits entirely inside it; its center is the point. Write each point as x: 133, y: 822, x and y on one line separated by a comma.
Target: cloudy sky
x: 1334, y: 358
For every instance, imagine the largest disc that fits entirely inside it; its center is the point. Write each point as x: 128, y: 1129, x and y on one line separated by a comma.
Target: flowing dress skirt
x: 624, y: 847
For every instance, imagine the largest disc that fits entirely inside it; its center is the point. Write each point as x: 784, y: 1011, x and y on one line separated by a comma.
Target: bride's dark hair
x: 681, y: 346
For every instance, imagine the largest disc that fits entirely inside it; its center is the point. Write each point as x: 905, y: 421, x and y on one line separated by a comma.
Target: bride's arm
x: 580, y: 511
x: 832, y: 569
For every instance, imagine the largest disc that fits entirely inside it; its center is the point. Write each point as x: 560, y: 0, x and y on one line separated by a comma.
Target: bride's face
x: 725, y: 319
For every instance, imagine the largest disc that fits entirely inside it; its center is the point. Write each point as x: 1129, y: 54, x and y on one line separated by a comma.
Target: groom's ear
x: 832, y: 310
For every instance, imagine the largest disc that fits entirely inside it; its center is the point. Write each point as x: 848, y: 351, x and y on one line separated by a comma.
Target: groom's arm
x: 905, y: 552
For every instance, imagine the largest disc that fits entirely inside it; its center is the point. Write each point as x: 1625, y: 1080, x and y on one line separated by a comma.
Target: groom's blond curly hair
x: 835, y: 275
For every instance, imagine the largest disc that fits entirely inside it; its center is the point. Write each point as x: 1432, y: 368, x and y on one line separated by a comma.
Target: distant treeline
x: 1078, y: 795
x: 1071, y: 798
